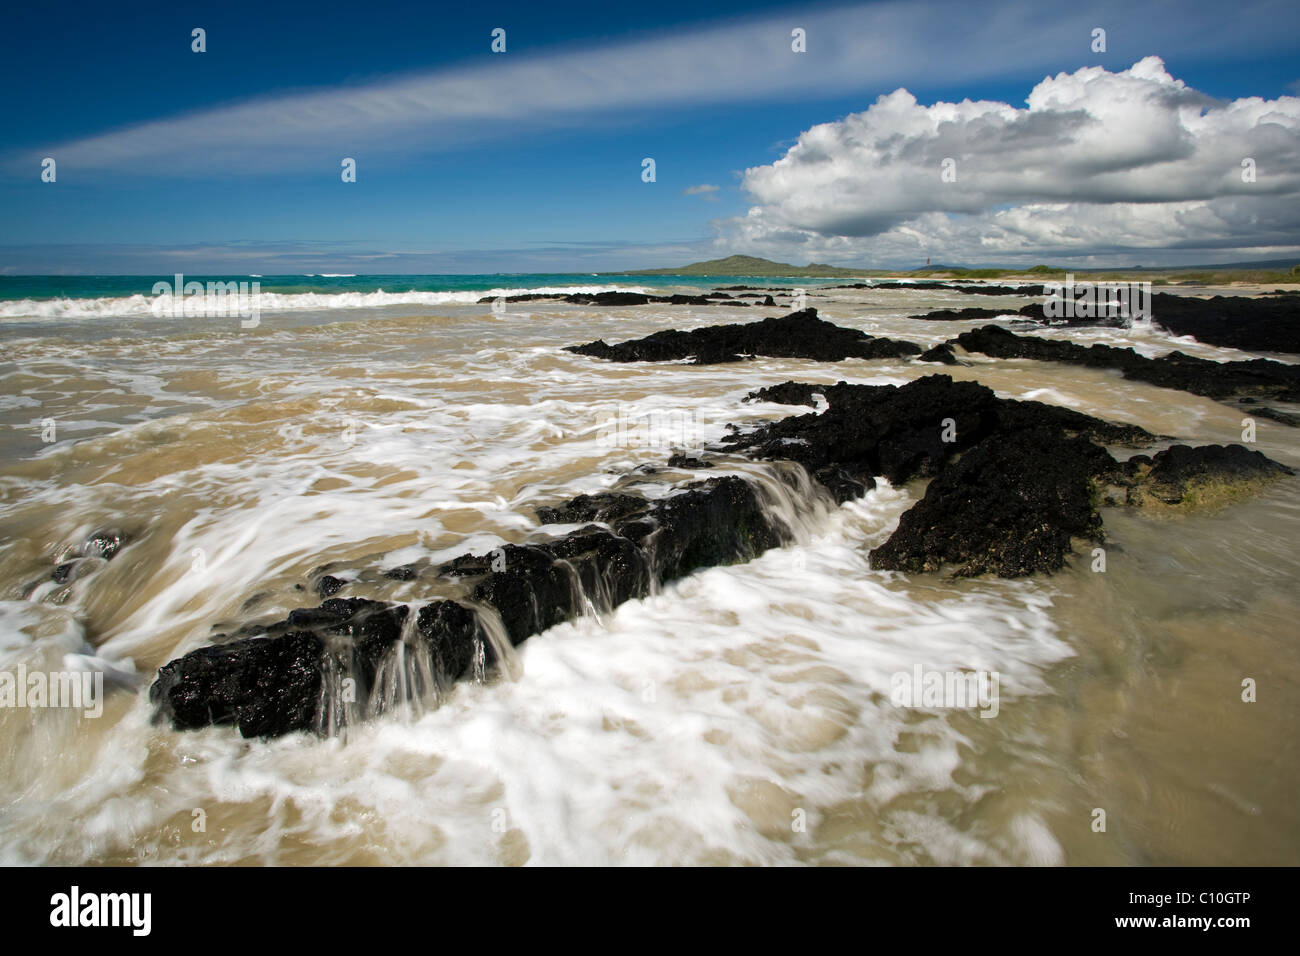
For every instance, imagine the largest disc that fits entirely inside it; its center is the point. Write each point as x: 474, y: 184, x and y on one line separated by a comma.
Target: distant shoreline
x: 751, y: 267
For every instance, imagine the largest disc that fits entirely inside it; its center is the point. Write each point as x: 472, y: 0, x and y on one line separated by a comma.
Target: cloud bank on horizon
x: 1097, y: 162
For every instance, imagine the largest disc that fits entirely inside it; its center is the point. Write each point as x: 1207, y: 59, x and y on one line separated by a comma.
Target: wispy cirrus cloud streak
x: 707, y: 191
x: 848, y: 49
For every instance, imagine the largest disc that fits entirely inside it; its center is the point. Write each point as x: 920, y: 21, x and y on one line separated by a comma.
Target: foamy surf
x: 133, y: 305
x: 730, y: 693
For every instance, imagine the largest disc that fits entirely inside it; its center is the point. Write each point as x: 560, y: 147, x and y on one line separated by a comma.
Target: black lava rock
x: 451, y: 633
x: 267, y: 686
x: 1255, y: 324
x: 86, y: 557
x: 688, y: 462
x: 104, y: 544
x: 797, y: 335
x: 1008, y: 506
x: 329, y: 585
x: 1207, y: 473
x: 942, y: 352
x: 899, y: 432
x: 960, y: 315
x: 279, y: 678
x: 1260, y: 324
x: 1260, y: 377
x: 961, y: 433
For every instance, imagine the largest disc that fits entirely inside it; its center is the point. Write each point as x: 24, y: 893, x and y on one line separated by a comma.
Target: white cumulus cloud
x: 1096, y: 162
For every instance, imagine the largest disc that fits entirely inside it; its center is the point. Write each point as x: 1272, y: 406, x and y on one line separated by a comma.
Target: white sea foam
x: 65, y: 308
x: 687, y: 727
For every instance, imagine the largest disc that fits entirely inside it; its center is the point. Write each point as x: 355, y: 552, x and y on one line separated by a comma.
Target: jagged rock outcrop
x: 1261, y: 324
x: 1015, y: 483
x: 288, y: 676
x: 1262, y: 378
x: 905, y: 432
x: 1255, y: 324
x: 943, y: 353
x: 1203, y: 476
x: 961, y: 315
x: 1009, y: 506
x: 797, y: 335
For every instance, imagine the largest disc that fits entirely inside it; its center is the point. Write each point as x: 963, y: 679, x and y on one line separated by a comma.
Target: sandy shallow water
x: 696, y: 726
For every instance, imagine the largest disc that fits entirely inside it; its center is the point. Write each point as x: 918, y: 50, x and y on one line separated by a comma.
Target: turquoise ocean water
x: 97, y: 287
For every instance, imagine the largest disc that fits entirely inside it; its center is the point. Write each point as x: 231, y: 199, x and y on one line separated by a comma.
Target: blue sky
x: 470, y: 161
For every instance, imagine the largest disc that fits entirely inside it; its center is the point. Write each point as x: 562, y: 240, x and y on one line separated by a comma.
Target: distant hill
x: 748, y: 266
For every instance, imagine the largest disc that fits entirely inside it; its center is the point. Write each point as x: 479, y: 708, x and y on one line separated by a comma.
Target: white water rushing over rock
x: 739, y: 715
